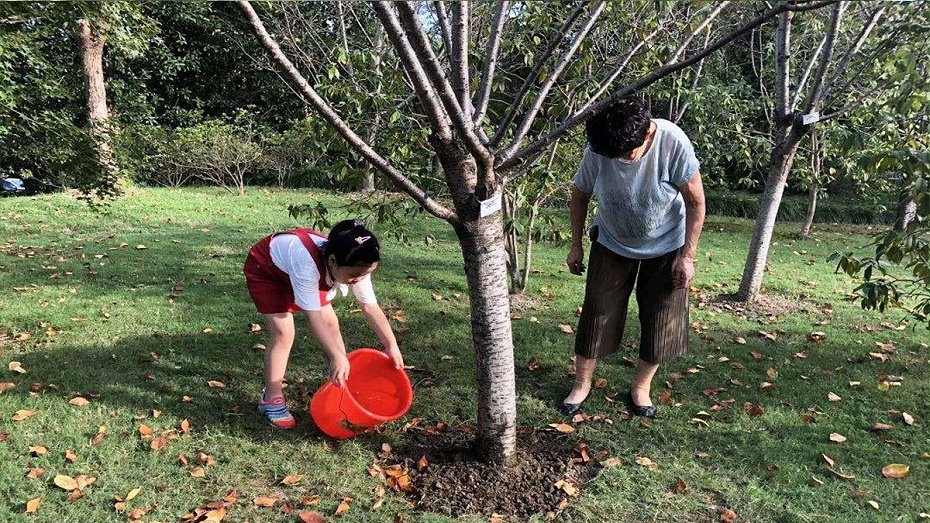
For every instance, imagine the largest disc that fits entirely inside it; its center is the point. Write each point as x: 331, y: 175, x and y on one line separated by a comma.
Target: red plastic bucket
x: 375, y: 393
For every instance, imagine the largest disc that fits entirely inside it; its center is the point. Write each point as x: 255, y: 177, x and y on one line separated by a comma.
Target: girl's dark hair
x: 618, y: 128
x: 352, y: 244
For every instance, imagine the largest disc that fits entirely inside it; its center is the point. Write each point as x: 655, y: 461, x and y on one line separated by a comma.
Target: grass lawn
x: 137, y: 307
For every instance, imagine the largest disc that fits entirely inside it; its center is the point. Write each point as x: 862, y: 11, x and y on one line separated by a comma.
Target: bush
x: 794, y: 208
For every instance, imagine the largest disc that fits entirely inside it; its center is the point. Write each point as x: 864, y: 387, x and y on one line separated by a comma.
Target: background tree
x: 827, y: 81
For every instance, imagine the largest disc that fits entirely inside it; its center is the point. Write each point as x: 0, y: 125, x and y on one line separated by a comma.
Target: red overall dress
x: 269, y: 286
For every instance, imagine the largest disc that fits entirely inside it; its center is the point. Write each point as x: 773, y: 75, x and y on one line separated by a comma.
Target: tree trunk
x: 368, y: 173
x: 509, y: 209
x: 906, y: 211
x: 92, y: 44
x: 815, y: 185
x: 482, y: 242
x: 779, y: 166
x: 811, y: 209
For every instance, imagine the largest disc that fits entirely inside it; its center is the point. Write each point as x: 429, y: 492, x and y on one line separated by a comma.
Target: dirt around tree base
x: 452, y: 480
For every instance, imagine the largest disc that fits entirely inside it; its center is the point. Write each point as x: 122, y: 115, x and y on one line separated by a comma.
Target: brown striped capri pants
x: 663, y: 310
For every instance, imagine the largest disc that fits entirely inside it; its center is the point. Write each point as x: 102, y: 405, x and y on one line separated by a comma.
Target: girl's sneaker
x: 276, y: 411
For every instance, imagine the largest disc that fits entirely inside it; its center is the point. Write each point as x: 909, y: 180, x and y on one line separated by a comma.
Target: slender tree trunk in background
x: 509, y: 211
x: 811, y: 209
x: 482, y: 242
x: 906, y: 211
x: 814, y: 190
x: 368, y: 172
x: 92, y: 44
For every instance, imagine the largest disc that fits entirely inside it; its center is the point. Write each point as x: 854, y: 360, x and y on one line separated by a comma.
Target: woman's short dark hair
x: 618, y: 128
x: 352, y: 244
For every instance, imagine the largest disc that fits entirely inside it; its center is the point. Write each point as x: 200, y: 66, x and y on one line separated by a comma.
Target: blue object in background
x: 14, y: 185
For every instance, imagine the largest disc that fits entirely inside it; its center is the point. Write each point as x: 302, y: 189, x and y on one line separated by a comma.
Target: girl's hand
x: 396, y: 357
x: 339, y: 370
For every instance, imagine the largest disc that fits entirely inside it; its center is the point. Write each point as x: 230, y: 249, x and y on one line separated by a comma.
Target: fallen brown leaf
x: 79, y: 401
x: 16, y: 366
x: 216, y: 384
x: 311, y: 517
x: 37, y: 450
x: 70, y: 456
x: 564, y: 428
x: 264, y: 501
x: 22, y: 415
x: 35, y: 472
x: 291, y: 479
x: 837, y: 438
x: 198, y: 472
x: 33, y: 505
x: 343, y: 506
x: 65, y: 482
x: 895, y: 470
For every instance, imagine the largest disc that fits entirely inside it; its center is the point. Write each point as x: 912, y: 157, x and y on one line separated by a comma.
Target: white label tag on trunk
x: 810, y: 118
x: 490, y: 206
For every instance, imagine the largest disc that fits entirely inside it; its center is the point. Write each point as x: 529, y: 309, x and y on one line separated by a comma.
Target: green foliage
x: 897, y: 275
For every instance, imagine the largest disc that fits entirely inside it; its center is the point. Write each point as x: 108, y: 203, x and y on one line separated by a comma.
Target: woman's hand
x: 575, y: 260
x: 682, y: 272
x: 396, y: 357
x: 339, y: 370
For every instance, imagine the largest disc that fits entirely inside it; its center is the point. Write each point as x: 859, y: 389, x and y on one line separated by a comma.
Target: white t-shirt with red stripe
x: 290, y: 255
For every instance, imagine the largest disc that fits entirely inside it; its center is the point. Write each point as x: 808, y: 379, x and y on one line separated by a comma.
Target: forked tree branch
x: 534, y: 73
x: 327, y: 112
x: 424, y: 89
x: 463, y: 126
x: 815, y: 96
x: 853, y: 50
x: 490, y: 61
x: 799, y: 89
x: 644, y: 81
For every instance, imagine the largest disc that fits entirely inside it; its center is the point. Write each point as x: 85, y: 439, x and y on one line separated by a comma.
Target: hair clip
x: 362, y: 239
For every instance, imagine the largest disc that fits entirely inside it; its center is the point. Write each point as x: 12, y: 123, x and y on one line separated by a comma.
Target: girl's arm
x: 325, y: 326
x: 382, y: 327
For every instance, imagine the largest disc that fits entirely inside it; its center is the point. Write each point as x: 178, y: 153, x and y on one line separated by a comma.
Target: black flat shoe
x: 570, y: 409
x: 646, y: 411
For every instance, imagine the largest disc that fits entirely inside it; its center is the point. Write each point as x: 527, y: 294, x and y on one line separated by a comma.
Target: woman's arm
x: 693, y: 194
x: 382, y: 327
x: 325, y: 326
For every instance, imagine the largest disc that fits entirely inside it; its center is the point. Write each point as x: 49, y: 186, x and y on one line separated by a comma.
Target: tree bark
x: 91, y: 44
x: 482, y: 243
x: 779, y: 166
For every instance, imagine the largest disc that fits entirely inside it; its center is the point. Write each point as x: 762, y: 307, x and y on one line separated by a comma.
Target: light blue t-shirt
x: 641, y: 211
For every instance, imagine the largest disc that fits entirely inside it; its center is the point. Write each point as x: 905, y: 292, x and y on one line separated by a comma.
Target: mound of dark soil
x: 447, y: 476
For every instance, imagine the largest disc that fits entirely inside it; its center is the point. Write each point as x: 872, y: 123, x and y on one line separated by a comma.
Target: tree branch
x: 460, y: 80
x: 442, y: 18
x: 807, y: 72
x: 815, y: 96
x: 534, y: 73
x: 463, y: 126
x: 490, y: 61
x: 853, y: 50
x: 649, y: 79
x: 710, y: 18
x: 424, y: 89
x: 553, y: 76
x: 327, y: 112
